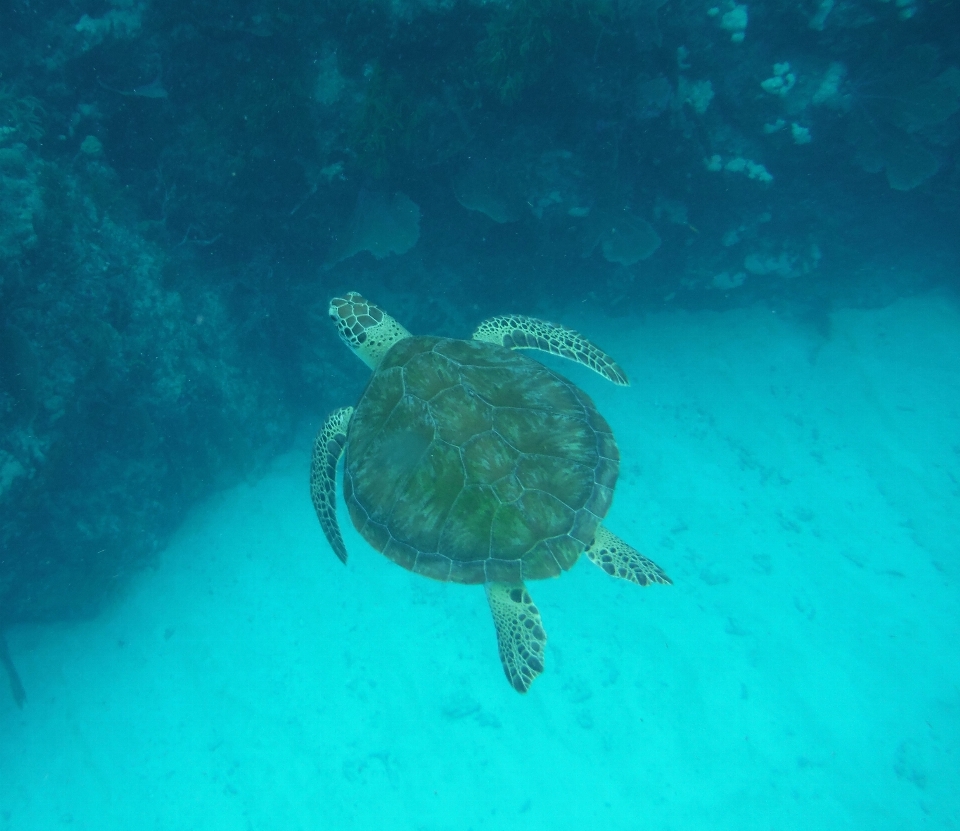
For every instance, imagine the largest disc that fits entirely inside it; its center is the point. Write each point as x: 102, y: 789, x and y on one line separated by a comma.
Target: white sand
x: 803, y: 671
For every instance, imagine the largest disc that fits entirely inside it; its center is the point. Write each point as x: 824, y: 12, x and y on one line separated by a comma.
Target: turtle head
x: 366, y: 329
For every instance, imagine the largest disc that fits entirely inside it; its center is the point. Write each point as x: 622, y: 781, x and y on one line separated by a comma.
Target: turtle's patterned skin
x: 468, y: 462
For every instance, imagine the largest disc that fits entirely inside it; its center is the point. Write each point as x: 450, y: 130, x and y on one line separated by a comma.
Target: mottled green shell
x: 470, y: 462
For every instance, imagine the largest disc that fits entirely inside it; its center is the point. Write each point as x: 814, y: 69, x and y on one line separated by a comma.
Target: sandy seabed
x: 799, y: 484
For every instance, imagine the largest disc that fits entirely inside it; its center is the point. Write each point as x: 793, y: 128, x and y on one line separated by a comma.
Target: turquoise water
x: 752, y: 205
x: 798, y: 483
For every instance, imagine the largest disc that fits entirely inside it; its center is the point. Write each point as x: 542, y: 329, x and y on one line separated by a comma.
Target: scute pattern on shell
x: 471, y: 463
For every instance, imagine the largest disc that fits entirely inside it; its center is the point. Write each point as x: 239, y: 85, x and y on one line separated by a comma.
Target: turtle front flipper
x: 327, y: 449
x: 520, y: 634
x: 618, y: 559
x: 520, y: 332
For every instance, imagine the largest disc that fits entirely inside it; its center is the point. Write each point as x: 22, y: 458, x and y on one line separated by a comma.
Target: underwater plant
x: 384, y: 125
x: 899, y: 118
x: 20, y: 115
x: 521, y: 44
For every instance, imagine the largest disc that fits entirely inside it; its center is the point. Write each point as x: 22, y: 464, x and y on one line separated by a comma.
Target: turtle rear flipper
x: 618, y: 559
x: 327, y: 450
x: 520, y: 633
x: 520, y: 332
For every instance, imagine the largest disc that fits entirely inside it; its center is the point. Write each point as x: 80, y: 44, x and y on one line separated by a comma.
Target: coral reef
x: 110, y: 379
x: 181, y: 184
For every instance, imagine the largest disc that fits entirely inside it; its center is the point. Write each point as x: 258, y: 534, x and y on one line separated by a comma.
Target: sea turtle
x: 469, y: 462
